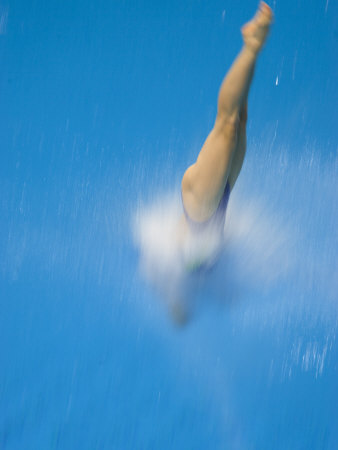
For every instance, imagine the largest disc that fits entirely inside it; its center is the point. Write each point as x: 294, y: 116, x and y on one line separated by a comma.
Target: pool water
x: 103, y: 106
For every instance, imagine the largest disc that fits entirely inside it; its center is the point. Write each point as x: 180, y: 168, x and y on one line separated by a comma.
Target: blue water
x: 103, y: 105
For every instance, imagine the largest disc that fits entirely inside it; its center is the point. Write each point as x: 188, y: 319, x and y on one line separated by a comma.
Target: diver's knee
x: 228, y: 125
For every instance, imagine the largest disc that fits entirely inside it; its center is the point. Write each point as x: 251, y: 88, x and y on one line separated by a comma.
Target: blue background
x: 103, y: 103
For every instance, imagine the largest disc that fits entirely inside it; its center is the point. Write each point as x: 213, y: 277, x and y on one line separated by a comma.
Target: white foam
x: 256, y: 244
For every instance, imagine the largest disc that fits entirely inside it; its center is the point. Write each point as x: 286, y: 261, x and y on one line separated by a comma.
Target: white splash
x: 255, y: 248
x: 326, y: 6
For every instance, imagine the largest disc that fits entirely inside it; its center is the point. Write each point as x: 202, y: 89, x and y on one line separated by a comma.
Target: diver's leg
x: 204, y: 182
x: 239, y: 152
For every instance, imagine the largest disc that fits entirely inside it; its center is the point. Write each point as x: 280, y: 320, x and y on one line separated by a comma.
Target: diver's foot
x: 256, y: 30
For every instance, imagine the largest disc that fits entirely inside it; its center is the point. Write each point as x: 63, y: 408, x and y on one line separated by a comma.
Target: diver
x: 207, y: 183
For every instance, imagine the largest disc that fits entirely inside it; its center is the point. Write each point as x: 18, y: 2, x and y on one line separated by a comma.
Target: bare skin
x: 221, y: 157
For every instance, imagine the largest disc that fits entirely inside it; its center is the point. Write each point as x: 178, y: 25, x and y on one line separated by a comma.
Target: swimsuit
x: 216, y: 221
x: 205, y: 241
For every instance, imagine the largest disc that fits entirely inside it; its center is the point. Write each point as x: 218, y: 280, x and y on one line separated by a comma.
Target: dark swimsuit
x: 216, y: 221
x: 214, y: 224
